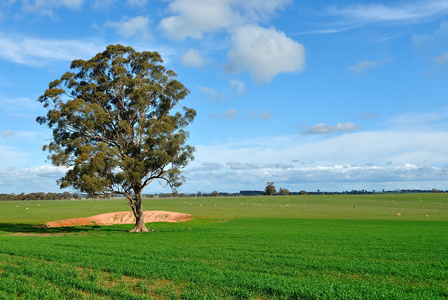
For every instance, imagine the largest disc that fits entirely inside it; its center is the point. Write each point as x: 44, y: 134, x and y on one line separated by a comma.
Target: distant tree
x: 303, y: 192
x: 117, y: 123
x: 434, y: 190
x: 283, y: 191
x: 270, y: 189
x: 199, y: 194
x: 215, y: 194
x: 66, y: 195
x: 76, y: 196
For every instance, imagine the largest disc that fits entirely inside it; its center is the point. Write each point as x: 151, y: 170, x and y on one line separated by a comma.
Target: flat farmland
x: 279, y: 247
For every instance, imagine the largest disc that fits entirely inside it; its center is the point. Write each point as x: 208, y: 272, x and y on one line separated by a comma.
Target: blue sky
x: 328, y: 95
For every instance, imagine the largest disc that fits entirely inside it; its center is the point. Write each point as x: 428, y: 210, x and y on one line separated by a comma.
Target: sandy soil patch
x: 122, y: 217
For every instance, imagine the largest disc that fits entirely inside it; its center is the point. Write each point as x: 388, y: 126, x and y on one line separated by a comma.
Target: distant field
x: 295, y: 247
x: 358, y: 207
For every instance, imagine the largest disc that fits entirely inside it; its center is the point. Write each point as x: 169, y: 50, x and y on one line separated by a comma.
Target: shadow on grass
x: 28, y: 229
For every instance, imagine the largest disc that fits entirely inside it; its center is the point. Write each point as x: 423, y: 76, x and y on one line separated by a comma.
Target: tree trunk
x: 139, y: 217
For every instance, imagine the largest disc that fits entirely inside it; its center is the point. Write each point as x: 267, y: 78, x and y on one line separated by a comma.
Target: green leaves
x: 112, y: 122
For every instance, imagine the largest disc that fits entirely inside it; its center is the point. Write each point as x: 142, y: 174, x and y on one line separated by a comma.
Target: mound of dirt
x: 122, y: 217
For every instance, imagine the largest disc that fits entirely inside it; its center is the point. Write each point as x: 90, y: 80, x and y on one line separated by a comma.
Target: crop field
x: 279, y: 247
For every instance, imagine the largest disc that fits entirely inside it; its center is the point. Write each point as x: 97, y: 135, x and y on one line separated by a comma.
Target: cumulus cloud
x: 351, y: 161
x: 323, y: 128
x: 39, y: 52
x: 265, y: 53
x: 128, y: 27
x: 365, y: 65
x: 30, y: 179
x: 194, y: 17
x: 192, y: 58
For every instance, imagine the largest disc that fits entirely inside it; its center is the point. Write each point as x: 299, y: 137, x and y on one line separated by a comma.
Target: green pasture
x: 425, y: 207
x: 295, y: 247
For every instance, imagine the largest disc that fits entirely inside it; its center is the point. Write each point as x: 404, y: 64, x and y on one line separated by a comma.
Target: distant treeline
x: 40, y: 196
x: 68, y: 195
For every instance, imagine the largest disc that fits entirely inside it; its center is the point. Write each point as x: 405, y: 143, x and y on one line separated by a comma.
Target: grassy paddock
x: 313, y: 247
x: 430, y: 207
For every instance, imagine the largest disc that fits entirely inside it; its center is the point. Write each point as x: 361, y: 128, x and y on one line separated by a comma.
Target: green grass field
x: 295, y: 247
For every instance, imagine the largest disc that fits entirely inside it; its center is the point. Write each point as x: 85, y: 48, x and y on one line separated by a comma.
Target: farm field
x: 280, y: 247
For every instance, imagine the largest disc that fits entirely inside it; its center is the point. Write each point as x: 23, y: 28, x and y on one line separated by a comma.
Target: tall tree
x: 117, y: 126
x: 270, y: 189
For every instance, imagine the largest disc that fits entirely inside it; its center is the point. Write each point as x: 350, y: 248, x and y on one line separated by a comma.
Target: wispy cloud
x: 371, y: 160
x: 413, y: 119
x: 367, y: 64
x: 433, y: 43
x: 412, y: 12
x: 192, y: 58
x: 137, y: 3
x: 128, y: 27
x: 212, y: 94
x: 323, y: 128
x: 47, y: 7
x: 6, y: 133
x: 239, y: 86
x: 441, y: 59
x: 39, y: 52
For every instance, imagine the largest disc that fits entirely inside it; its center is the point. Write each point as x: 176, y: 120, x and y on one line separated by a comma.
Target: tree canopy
x: 270, y: 189
x: 117, y: 125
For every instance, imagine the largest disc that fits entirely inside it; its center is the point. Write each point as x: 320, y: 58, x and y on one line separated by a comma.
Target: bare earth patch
x: 122, y: 217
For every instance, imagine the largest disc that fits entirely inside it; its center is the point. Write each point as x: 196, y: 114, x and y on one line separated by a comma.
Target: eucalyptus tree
x: 270, y: 189
x: 117, y: 125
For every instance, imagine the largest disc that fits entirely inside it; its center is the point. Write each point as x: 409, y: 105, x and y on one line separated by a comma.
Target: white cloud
x: 228, y: 114
x: 212, y: 94
x: 193, y: 58
x: 12, y: 156
x: 231, y: 114
x: 103, y: 4
x: 265, y: 53
x: 364, y: 160
x: 6, y: 133
x: 411, y: 12
x: 367, y: 115
x: 323, y: 128
x: 441, y: 59
x: 46, y: 7
x: 194, y: 17
x: 137, y: 3
x: 365, y: 65
x: 420, y: 120
x: 39, y: 52
x: 432, y: 42
x: 30, y: 179
x: 266, y: 115
x: 239, y: 86
x: 128, y: 27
